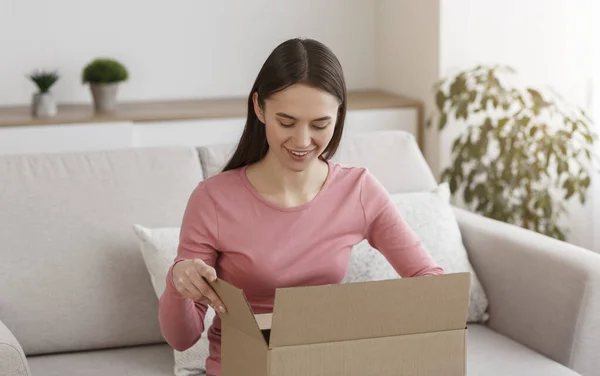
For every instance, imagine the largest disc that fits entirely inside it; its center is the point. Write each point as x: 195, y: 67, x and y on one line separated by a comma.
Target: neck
x: 283, y: 179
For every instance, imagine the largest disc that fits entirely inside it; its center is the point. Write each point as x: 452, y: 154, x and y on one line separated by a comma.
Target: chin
x: 299, y: 164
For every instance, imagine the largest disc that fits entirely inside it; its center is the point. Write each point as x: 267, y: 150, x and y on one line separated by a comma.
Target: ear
x: 257, y: 109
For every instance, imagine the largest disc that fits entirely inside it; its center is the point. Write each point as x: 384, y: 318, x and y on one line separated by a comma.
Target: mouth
x: 299, y: 154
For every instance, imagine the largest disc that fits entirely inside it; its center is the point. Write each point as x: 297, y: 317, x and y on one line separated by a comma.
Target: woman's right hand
x: 188, y: 279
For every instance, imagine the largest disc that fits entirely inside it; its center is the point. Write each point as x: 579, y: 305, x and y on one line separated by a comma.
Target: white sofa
x: 76, y: 298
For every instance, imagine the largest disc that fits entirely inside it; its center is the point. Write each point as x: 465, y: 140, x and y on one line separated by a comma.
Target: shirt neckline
x: 275, y: 206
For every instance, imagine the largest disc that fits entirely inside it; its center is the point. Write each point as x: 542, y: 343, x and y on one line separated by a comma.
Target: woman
x: 281, y: 213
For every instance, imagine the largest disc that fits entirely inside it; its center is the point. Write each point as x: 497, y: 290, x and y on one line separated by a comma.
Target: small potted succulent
x: 104, y: 76
x: 43, y: 103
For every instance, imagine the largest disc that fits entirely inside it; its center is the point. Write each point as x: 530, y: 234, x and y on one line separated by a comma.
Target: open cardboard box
x: 408, y: 326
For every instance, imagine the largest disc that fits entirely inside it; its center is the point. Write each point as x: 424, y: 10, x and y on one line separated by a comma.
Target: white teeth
x: 299, y: 153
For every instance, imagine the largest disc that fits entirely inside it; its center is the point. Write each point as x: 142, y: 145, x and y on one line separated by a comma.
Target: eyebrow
x: 281, y: 114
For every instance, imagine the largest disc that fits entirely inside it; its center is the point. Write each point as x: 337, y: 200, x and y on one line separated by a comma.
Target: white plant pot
x: 105, y: 97
x: 43, y: 105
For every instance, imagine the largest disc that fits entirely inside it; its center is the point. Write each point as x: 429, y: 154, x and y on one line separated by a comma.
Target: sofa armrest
x: 12, y: 358
x: 542, y: 292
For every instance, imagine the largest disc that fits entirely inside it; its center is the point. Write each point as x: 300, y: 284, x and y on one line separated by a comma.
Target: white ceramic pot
x: 43, y: 105
x: 105, y: 97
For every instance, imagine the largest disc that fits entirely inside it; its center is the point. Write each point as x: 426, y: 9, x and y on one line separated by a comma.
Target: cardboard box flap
x: 239, y: 313
x: 308, y: 315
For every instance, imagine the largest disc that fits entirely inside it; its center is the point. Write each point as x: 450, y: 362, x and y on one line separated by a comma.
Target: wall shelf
x: 151, y: 111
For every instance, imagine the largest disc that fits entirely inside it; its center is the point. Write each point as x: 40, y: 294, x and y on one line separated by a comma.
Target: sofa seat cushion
x: 491, y: 354
x: 154, y: 360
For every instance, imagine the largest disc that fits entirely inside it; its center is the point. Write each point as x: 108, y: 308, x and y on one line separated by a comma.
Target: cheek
x: 275, y: 133
x: 322, y: 138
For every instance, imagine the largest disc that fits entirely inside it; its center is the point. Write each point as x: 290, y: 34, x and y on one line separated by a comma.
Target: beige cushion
x: 156, y: 360
x: 393, y: 157
x: 159, y: 249
x: 431, y: 217
x: 214, y: 157
x: 72, y: 276
x: 491, y: 354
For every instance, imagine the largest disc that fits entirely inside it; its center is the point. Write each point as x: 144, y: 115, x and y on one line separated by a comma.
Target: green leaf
x: 533, y: 131
x: 440, y: 100
x: 453, y: 184
x: 443, y: 120
x: 458, y: 86
x: 524, y: 121
x: 535, y: 95
x: 461, y: 112
x: 472, y: 96
x: 484, y: 100
x: 585, y: 182
x: 495, y: 102
x: 570, y: 189
x: 455, y: 145
x: 468, y: 195
x: 562, y: 166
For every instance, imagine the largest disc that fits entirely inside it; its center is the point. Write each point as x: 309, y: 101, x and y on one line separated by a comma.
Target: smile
x: 299, y: 155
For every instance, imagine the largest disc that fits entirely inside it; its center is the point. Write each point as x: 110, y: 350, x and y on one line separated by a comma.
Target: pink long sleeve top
x: 259, y: 246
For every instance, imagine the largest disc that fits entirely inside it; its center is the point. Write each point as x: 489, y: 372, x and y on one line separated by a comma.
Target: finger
x: 198, y: 282
x: 191, y: 292
x: 204, y: 288
x: 205, y: 270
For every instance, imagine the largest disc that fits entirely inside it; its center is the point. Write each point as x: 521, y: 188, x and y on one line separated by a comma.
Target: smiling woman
x: 301, y: 87
x: 296, y: 214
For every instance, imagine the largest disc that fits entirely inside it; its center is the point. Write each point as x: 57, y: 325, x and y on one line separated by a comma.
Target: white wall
x: 546, y: 41
x: 407, y: 57
x: 173, y: 49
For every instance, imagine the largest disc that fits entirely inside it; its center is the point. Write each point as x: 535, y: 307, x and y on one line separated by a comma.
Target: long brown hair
x: 294, y: 61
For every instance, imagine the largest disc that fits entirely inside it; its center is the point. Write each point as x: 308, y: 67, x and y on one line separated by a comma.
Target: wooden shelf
x: 150, y: 111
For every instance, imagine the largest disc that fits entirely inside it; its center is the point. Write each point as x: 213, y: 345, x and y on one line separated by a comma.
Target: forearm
x: 181, y: 320
x: 12, y: 358
x: 544, y: 293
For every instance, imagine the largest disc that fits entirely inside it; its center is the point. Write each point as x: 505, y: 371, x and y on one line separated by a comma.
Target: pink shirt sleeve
x: 181, y: 319
x: 388, y: 232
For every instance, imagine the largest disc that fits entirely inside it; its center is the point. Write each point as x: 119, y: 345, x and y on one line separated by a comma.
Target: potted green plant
x: 523, y: 152
x: 104, y: 76
x: 43, y: 102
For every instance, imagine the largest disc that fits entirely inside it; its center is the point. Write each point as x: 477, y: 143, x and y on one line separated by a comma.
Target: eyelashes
x: 292, y: 124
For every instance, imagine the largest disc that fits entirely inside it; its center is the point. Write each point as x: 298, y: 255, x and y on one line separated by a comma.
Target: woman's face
x: 299, y: 123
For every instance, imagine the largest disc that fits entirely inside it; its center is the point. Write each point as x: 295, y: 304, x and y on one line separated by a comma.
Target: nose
x: 302, y: 139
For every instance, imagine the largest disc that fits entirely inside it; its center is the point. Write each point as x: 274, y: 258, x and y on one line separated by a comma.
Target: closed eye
x: 321, y: 126
x: 285, y: 125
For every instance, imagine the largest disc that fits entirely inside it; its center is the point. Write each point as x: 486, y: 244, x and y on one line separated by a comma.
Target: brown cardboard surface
x: 428, y: 354
x: 241, y: 354
x: 239, y: 314
x: 412, y: 326
x: 332, y: 313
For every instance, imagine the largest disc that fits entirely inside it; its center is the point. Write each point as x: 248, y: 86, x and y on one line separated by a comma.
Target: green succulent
x: 44, y: 79
x: 104, y: 70
x: 522, y: 153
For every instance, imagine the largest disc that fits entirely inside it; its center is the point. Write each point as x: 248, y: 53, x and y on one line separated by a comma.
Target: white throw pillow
x: 431, y: 217
x: 159, y: 249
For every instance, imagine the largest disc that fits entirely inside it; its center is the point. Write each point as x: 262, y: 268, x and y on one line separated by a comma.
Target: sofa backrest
x: 71, y: 272
x: 393, y: 157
